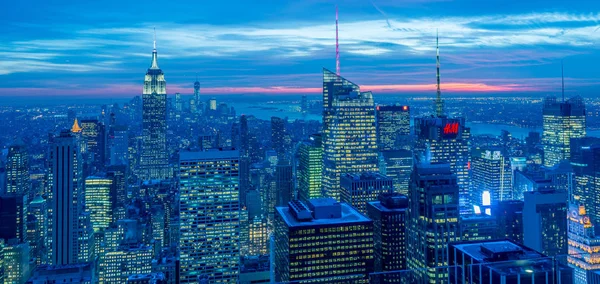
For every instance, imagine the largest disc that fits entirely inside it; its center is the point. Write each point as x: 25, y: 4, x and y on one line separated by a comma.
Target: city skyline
x: 281, y: 48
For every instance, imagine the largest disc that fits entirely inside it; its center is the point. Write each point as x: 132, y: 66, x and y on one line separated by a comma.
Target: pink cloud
x: 124, y: 90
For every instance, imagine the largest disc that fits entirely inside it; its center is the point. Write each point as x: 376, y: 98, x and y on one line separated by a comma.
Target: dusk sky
x: 103, y: 48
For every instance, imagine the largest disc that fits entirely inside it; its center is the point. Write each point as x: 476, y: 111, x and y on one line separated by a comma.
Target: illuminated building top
x: 76, y: 128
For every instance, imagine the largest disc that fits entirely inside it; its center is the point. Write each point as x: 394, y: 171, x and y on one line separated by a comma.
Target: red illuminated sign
x: 451, y: 128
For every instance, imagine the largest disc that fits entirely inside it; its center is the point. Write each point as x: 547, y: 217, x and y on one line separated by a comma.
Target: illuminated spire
x: 337, y: 45
x: 75, y: 128
x: 562, y: 76
x: 154, y: 54
x: 439, y: 103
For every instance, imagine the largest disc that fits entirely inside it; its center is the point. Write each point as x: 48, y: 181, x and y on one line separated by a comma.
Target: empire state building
x: 154, y: 159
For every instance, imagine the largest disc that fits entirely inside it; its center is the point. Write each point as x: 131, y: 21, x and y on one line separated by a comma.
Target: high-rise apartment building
x: 209, y: 216
x: 322, y: 241
x: 433, y: 220
x: 358, y: 189
x: 545, y: 221
x: 154, y: 158
x: 350, y: 136
x: 562, y: 121
x: 393, y: 127
x: 310, y: 168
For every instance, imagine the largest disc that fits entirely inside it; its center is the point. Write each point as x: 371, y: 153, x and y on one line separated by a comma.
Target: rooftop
x: 495, y: 251
x: 364, y: 176
x: 209, y: 155
x: 349, y: 215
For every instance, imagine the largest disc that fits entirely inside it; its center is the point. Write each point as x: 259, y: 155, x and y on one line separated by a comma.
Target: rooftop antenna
x: 154, y: 38
x: 439, y: 104
x: 337, y: 45
x: 562, y: 76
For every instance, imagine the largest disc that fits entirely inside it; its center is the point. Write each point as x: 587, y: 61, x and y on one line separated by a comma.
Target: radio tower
x: 337, y: 45
x: 439, y: 103
x: 562, y: 76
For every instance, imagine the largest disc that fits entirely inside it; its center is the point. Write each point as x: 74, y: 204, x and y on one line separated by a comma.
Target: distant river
x: 265, y: 111
x: 515, y: 131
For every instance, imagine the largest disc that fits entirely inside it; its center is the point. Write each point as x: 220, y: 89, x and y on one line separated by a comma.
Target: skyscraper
x: 310, y: 168
x: 16, y: 261
x: 446, y: 140
x: 433, y: 220
x: 350, y: 136
x: 397, y: 165
x: 154, y: 158
x: 503, y: 261
x: 98, y: 201
x: 17, y: 169
x: 284, y: 183
x: 13, y: 213
x: 333, y: 86
x: 562, y: 121
x: 393, y: 127
x: 509, y: 220
x: 209, y: 216
x: 277, y: 136
x: 322, y: 241
x: 585, y: 159
x: 38, y: 208
x: 119, y: 145
x: 491, y: 176
x: 389, y: 215
x: 197, y: 94
x: 92, y: 132
x: 584, y: 244
x: 545, y: 221
x: 358, y: 189
x: 118, y: 265
x: 66, y: 200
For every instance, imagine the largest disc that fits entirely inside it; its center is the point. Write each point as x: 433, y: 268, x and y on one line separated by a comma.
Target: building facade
x: 322, y: 241
x: 433, y: 221
x: 393, y: 127
x: 310, y: 168
x: 562, y: 121
x: 358, y: 189
x: 545, y: 221
x: 209, y: 216
x: 350, y: 138
x: 154, y: 158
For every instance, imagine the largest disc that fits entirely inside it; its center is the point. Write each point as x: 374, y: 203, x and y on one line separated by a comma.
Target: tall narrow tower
x: 154, y: 159
x: 439, y: 103
x: 337, y: 45
x: 197, y: 92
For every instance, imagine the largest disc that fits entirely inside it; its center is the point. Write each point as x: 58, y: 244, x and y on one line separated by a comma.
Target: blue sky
x: 102, y: 48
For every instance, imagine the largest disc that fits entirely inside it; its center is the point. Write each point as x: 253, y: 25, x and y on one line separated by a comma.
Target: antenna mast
x: 155, y: 38
x: 562, y: 76
x: 439, y: 104
x: 337, y: 45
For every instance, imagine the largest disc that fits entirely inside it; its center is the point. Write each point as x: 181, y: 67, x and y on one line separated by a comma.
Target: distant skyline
x: 102, y: 49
